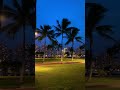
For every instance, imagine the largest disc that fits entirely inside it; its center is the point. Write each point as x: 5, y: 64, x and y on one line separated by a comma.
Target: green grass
x: 9, y: 82
x: 103, y: 83
x: 13, y: 82
x: 60, y: 77
x: 51, y: 77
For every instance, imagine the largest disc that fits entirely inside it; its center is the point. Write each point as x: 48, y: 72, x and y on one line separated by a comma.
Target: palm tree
x: 61, y: 30
x: 45, y: 32
x: 95, y: 13
x: 1, y: 7
x: 22, y: 15
x: 72, y: 35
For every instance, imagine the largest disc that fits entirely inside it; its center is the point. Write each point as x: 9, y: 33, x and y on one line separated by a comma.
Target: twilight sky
x: 48, y: 11
x: 112, y: 17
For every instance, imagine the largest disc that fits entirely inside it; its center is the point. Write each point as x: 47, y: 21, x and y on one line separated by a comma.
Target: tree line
x: 18, y: 16
x: 94, y: 15
x: 62, y: 29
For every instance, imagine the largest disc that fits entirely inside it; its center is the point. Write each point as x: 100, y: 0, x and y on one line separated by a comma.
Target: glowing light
x: 42, y: 69
x: 2, y: 18
x: 36, y: 33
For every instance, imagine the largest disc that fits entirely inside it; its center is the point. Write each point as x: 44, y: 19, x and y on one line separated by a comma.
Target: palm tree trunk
x: 62, y: 49
x: 72, y: 48
x: 57, y: 53
x: 91, y: 62
x: 23, y: 62
x: 44, y: 51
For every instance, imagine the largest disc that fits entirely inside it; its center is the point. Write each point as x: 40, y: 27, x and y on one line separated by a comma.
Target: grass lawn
x: 13, y: 82
x: 60, y: 77
x: 105, y: 83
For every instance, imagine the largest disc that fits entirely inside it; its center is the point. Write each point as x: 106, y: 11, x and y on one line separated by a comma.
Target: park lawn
x: 60, y: 77
x: 13, y: 82
x: 103, y: 83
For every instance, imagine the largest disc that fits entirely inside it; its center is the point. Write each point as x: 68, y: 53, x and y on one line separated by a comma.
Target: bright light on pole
x: 36, y: 33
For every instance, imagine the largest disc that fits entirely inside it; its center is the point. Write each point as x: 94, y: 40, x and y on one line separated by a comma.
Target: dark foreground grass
x: 13, y: 82
x: 60, y: 77
x: 103, y: 83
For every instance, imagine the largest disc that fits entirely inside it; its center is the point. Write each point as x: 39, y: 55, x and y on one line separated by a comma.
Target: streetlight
x: 36, y: 33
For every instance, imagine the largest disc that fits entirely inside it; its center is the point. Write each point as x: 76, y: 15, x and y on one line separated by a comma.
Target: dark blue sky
x: 112, y: 17
x: 48, y: 11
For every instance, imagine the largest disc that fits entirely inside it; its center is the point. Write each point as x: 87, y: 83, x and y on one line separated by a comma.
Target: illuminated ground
x: 60, y: 76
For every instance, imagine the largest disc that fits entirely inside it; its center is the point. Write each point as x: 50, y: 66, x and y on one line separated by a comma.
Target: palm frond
x: 16, y: 5
x: 57, y: 29
x: 65, y: 23
x: 68, y: 41
x: 78, y: 39
x: 57, y: 34
x: 39, y: 38
x: 106, y: 36
x: 58, y: 24
x: 105, y: 28
x: 94, y: 15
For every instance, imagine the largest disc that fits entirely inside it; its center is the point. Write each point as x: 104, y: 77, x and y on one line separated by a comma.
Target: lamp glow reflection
x: 42, y: 69
x: 36, y: 33
x: 2, y: 18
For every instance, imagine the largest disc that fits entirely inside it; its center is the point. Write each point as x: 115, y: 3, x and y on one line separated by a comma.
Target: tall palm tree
x: 45, y: 32
x: 95, y: 13
x: 61, y: 30
x: 1, y: 7
x: 72, y: 35
x: 1, y: 13
x: 22, y: 15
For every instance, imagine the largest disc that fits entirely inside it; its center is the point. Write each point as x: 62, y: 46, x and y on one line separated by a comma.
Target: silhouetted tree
x: 45, y: 32
x: 95, y: 13
x: 61, y: 30
x: 72, y: 35
x: 23, y: 15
